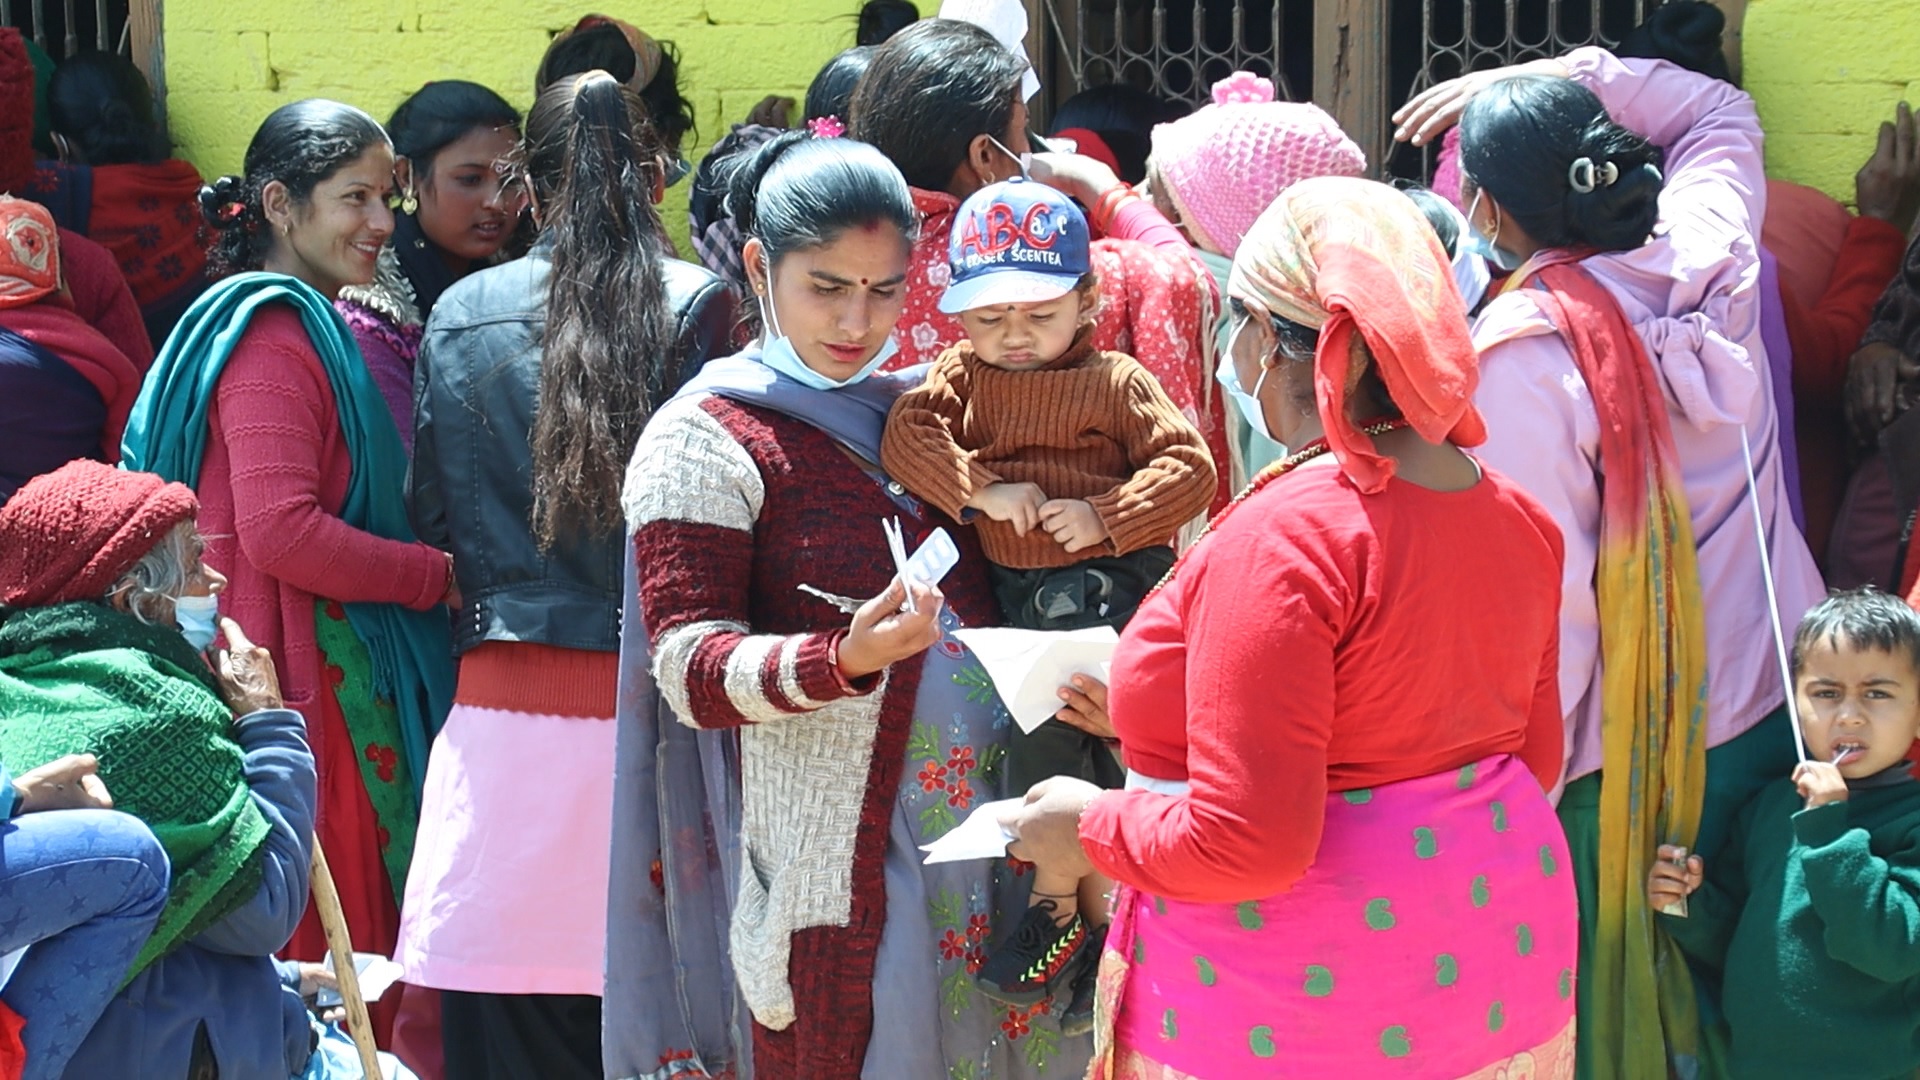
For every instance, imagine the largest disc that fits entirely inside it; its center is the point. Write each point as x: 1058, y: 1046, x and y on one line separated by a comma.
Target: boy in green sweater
x: 1812, y: 913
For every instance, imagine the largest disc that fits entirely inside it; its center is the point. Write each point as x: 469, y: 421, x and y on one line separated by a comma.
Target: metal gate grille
x: 1458, y: 36
x: 67, y: 27
x: 1179, y: 48
x: 1471, y: 35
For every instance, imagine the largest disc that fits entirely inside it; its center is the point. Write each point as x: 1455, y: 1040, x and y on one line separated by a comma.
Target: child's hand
x: 1073, y: 523
x: 1820, y: 783
x: 1670, y: 880
x: 1017, y: 504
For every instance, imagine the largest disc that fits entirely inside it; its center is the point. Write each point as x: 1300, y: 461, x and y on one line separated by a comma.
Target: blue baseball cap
x: 1015, y: 242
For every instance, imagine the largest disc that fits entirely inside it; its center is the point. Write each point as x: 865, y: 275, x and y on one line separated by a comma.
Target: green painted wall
x: 1824, y: 74
x: 229, y: 64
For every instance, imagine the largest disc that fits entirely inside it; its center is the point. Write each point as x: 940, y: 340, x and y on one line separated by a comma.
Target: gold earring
x: 409, y: 203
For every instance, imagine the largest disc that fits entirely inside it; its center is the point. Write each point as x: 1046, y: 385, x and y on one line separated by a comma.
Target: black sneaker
x: 1078, y: 1019
x: 1039, y: 960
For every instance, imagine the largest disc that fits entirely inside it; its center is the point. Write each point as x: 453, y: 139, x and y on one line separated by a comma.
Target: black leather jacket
x: 475, y: 387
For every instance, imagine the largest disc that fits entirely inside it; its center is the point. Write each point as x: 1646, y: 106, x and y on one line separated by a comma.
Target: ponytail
x: 1547, y: 151
x: 608, y: 358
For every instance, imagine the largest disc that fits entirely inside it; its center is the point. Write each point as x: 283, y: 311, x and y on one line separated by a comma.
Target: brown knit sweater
x: 1091, y: 425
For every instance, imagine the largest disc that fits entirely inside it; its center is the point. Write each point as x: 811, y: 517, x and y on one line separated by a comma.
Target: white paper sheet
x: 377, y: 975
x: 978, y: 837
x: 1028, y: 667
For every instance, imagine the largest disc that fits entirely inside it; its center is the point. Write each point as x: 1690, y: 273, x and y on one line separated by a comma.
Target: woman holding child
x: 754, y: 503
x: 1626, y: 195
x: 1352, y: 869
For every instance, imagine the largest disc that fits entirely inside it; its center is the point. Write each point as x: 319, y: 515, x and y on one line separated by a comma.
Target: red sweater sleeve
x: 1825, y: 336
x: 276, y: 410
x: 1138, y: 220
x: 1256, y: 757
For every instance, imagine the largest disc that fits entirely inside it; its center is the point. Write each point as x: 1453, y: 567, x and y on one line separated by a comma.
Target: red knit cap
x: 74, y: 532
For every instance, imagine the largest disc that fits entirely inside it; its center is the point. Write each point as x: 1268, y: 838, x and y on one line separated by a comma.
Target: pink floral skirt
x: 1435, y: 936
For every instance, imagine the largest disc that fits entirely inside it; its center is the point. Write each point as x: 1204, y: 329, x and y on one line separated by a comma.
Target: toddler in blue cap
x: 1077, y: 470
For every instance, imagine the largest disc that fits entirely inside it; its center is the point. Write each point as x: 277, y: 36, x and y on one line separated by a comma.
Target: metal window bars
x: 1459, y: 36
x: 1470, y: 35
x: 111, y: 27
x: 1174, y: 48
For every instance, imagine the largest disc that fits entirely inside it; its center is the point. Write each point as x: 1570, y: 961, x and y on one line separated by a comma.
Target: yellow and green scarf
x: 1653, y: 691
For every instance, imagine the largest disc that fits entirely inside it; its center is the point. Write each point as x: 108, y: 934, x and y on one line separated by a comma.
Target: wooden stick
x: 326, y: 901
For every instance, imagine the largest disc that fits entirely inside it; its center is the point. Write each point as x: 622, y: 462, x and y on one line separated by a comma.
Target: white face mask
x: 1025, y: 161
x: 778, y: 353
x: 1484, y: 247
x: 198, y: 618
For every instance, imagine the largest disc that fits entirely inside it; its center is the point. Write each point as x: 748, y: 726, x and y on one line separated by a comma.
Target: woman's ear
x: 983, y: 158
x: 751, y: 254
x: 276, y: 202
x: 403, y: 174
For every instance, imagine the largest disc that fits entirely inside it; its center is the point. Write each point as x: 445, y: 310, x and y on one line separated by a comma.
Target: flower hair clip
x: 1243, y: 88
x: 826, y: 127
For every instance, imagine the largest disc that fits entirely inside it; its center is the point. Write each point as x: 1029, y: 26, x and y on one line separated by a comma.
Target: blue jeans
x: 83, y: 888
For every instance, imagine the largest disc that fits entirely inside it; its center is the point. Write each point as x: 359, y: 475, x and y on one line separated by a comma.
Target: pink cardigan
x: 1693, y: 294
x: 274, y: 477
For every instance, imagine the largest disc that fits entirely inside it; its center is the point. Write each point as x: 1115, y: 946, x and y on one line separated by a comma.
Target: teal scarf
x: 412, y: 651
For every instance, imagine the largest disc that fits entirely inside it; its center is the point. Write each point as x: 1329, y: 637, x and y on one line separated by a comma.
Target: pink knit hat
x: 1223, y: 165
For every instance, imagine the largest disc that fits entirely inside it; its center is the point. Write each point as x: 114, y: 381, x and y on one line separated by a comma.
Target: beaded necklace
x: 1268, y: 475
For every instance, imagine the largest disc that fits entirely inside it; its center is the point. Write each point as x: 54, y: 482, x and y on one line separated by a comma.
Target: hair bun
x: 224, y: 203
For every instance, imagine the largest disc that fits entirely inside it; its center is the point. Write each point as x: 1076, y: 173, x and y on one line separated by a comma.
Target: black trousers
x: 520, y: 1036
x: 1096, y: 592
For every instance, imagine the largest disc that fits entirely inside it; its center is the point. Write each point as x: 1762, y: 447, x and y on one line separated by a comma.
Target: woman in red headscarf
x: 65, y: 390
x: 1336, y: 853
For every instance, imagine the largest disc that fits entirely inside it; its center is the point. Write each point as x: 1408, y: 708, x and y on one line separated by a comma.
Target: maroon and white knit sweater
x: 732, y: 508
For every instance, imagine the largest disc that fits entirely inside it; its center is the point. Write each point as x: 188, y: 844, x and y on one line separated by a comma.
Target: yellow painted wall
x: 231, y: 62
x: 1824, y: 73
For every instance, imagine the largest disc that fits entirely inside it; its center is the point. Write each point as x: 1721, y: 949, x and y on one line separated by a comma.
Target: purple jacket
x: 1693, y: 293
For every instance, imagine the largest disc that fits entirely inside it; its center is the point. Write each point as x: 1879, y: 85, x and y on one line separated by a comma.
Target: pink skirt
x: 1435, y: 936
x: 508, y: 889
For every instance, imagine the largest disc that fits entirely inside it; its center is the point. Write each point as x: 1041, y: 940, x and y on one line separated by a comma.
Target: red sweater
x: 271, y: 487
x: 1321, y: 640
x: 102, y: 298
x: 1824, y: 337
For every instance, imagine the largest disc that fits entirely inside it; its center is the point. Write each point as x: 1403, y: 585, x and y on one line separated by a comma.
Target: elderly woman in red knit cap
x: 106, y: 610
x: 65, y: 390
x: 1328, y: 872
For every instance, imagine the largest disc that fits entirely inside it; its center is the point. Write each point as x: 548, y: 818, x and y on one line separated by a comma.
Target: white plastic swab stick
x: 1773, y: 601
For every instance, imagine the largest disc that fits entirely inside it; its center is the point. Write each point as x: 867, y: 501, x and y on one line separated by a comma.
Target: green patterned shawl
x: 83, y: 678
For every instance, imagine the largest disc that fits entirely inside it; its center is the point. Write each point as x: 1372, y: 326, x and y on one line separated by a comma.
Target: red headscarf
x: 1357, y: 260
x: 29, y: 253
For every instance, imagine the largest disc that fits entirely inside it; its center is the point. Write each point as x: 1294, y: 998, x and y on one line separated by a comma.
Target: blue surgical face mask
x: 777, y: 351
x: 1247, y: 401
x: 198, y: 618
x: 1485, y: 248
